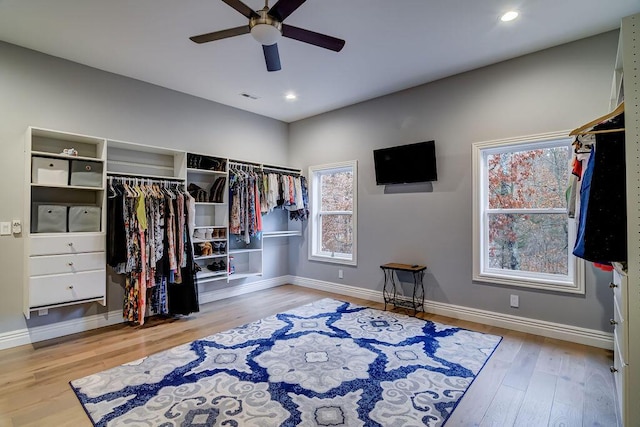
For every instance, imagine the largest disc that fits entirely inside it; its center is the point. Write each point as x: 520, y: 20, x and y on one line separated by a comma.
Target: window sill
x: 332, y: 260
x: 531, y: 283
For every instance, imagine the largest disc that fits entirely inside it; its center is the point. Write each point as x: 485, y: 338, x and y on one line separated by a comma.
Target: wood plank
x: 34, y: 389
x: 538, y: 400
x: 504, y: 408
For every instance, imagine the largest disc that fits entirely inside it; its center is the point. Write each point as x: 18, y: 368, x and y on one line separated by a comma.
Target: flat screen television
x: 406, y: 164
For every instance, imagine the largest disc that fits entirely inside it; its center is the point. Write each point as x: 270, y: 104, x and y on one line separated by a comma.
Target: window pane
x: 528, y: 179
x: 337, y: 234
x: 336, y: 191
x: 532, y: 242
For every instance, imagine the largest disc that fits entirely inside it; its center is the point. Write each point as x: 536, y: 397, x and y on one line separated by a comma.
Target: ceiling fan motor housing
x: 265, y: 29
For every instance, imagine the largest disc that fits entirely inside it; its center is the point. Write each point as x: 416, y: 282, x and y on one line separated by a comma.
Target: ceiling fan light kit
x: 266, y: 28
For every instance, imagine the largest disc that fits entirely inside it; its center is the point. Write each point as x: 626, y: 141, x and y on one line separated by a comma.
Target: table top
x: 403, y: 267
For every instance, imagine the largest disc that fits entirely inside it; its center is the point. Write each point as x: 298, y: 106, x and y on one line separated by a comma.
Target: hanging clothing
x: 602, y: 226
x: 159, y: 270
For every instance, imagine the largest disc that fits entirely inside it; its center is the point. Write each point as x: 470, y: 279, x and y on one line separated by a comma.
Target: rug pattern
x: 329, y: 363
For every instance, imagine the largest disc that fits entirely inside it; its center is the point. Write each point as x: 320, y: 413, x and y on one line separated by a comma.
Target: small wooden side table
x: 390, y: 290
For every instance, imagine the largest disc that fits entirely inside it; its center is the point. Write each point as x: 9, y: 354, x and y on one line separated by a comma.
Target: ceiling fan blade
x: 217, y: 35
x: 284, y: 8
x: 311, y: 37
x: 271, y: 57
x: 242, y: 8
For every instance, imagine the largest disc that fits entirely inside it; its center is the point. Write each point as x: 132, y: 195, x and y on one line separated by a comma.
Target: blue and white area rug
x: 329, y: 363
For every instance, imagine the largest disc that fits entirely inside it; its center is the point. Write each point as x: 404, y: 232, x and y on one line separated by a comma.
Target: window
x: 522, y: 233
x: 333, y: 228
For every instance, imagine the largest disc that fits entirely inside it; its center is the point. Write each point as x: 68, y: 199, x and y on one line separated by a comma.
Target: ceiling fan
x: 266, y: 27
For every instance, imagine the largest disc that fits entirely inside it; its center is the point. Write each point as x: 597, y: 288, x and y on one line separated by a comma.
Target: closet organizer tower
x: 626, y: 283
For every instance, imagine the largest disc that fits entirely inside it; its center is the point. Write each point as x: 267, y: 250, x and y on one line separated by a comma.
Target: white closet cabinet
x: 626, y: 287
x: 63, y: 268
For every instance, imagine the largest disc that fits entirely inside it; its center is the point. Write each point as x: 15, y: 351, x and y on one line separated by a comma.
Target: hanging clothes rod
x: 269, y: 168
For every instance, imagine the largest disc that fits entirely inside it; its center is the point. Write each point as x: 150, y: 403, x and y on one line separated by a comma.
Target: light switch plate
x: 5, y: 228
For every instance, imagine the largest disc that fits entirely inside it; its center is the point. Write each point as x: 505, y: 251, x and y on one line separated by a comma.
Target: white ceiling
x: 390, y: 45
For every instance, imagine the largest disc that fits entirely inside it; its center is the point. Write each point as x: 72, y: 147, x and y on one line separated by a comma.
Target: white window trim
x: 521, y: 279
x: 314, y: 200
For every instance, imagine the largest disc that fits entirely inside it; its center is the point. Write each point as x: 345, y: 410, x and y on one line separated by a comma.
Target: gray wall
x: 40, y: 90
x: 552, y: 90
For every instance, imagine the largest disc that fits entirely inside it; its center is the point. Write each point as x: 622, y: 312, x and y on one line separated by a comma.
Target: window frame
x: 315, y: 223
x: 481, y: 271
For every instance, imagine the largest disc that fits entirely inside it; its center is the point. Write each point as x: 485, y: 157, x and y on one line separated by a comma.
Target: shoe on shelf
x: 199, y: 233
x: 209, y: 233
x: 214, y: 266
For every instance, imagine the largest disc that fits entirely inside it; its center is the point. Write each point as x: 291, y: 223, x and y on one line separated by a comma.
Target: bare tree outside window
x: 522, y: 233
x: 528, y: 180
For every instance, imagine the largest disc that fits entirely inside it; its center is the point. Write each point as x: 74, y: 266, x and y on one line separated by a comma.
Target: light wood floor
x: 529, y: 380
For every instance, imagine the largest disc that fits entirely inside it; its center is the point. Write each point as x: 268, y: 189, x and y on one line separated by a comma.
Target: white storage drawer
x: 620, y: 291
x: 48, y: 171
x: 72, y: 263
x: 620, y: 331
x: 63, y: 288
x: 67, y: 244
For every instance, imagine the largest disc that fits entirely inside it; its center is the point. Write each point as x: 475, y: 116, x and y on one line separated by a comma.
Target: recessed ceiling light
x: 291, y: 96
x: 509, y: 16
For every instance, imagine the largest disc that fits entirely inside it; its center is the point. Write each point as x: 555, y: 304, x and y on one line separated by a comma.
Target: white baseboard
x: 59, y: 329
x: 46, y: 332
x: 543, y: 328
x: 538, y: 327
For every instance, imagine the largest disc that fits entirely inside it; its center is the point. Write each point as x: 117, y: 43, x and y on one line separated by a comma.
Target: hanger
x: 583, y: 130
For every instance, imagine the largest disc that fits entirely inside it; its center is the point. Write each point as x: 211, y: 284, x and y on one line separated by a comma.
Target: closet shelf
x: 215, y: 275
x: 71, y: 187
x: 208, y: 240
x: 209, y: 257
x: 210, y: 226
x: 236, y: 276
x: 243, y: 251
x: 136, y: 164
x: 139, y: 175
x: 206, y: 172
x: 64, y: 156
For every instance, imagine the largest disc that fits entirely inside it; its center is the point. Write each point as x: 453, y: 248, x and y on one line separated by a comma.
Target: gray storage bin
x: 50, y: 219
x: 47, y: 171
x: 86, y: 173
x: 84, y: 218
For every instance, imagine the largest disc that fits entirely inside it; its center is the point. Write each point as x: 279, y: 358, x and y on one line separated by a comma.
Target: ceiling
x: 390, y: 45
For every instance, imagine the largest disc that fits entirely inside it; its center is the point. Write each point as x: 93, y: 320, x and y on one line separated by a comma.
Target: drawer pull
x: 613, y: 369
x: 70, y: 264
x: 70, y: 286
x: 612, y: 285
x: 613, y: 322
x: 70, y: 243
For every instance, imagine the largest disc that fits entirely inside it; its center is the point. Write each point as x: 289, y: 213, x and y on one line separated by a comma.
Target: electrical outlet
x: 16, y: 226
x: 340, y: 274
x: 515, y: 301
x: 43, y: 312
x: 5, y: 228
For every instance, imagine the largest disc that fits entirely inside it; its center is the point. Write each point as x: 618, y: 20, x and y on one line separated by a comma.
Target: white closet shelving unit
x: 626, y: 284
x: 70, y: 268
x: 211, y: 215
x: 62, y: 268
x: 247, y: 259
